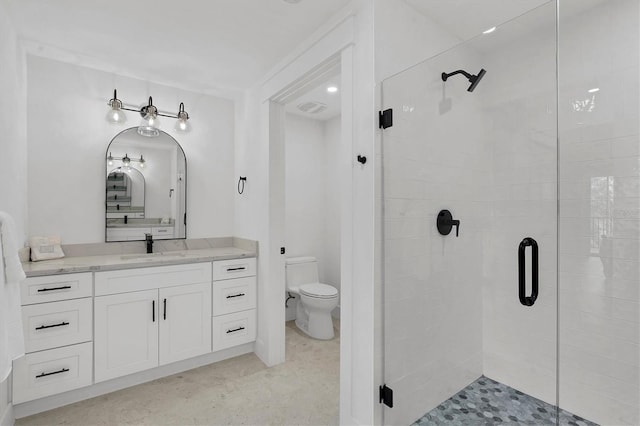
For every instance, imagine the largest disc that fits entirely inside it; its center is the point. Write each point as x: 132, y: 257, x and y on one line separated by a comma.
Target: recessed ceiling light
x: 332, y: 89
x: 489, y: 31
x: 292, y: 1
x: 594, y: 90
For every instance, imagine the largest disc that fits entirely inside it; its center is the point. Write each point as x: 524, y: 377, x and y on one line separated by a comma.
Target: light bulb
x: 150, y: 122
x: 110, y: 160
x: 183, y: 124
x: 115, y: 114
x: 332, y: 89
x: 142, y: 162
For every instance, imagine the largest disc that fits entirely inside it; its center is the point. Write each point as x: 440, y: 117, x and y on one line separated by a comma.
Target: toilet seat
x: 319, y: 291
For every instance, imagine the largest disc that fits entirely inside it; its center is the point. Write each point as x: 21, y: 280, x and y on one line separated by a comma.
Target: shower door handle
x: 524, y: 299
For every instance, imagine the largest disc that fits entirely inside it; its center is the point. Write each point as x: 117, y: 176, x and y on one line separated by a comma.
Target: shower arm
x: 445, y: 76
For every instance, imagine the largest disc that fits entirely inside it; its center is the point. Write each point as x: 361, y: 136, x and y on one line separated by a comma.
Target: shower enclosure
x: 526, y: 310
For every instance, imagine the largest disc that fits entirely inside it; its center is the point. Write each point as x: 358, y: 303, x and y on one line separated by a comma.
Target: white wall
x: 312, y: 193
x: 312, y: 221
x: 305, y: 188
x: 331, y: 206
x: 67, y: 126
x: 13, y: 147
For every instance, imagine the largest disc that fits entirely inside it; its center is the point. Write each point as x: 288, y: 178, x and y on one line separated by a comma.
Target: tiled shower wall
x: 433, y: 284
x: 600, y: 211
x: 518, y: 97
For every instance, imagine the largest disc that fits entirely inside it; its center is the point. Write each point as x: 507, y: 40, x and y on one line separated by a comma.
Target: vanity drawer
x: 234, y: 268
x: 129, y: 280
x: 162, y: 232
x: 238, y: 294
x: 233, y: 329
x: 55, y: 324
x: 51, y: 372
x: 52, y: 288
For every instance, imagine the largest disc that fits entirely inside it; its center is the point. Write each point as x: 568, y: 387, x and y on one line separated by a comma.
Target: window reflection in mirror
x: 145, y: 187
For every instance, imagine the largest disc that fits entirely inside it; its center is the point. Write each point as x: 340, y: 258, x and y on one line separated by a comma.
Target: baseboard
x: 8, y: 418
x: 50, y: 402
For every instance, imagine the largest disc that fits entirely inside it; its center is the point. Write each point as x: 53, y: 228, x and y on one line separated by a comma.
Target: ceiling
x: 465, y: 19
x: 207, y: 45
x: 318, y: 95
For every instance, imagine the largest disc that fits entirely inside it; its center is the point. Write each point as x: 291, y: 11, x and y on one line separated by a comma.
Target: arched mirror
x: 146, y: 181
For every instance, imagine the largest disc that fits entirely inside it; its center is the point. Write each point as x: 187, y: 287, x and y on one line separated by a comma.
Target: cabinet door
x: 126, y: 333
x: 185, y: 322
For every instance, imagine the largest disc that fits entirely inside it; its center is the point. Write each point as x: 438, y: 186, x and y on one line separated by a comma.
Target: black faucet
x: 445, y: 222
x: 149, y: 240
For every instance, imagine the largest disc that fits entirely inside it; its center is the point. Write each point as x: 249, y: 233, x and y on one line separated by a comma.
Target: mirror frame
x: 106, y: 174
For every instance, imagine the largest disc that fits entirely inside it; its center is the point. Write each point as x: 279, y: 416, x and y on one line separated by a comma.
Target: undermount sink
x: 142, y: 256
x: 151, y: 256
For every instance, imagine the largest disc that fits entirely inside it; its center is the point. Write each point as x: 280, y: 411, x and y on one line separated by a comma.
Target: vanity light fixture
x: 149, y: 125
x: 126, y: 161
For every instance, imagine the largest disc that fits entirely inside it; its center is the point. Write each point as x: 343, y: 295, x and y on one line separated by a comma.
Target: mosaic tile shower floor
x: 487, y: 402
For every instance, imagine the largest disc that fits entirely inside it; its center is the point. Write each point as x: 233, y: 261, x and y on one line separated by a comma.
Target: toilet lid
x: 319, y: 290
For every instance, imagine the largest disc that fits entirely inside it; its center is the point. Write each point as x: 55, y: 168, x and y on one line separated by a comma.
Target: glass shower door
x: 470, y: 317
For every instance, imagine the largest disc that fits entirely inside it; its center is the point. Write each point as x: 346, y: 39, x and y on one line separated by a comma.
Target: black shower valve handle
x: 445, y: 222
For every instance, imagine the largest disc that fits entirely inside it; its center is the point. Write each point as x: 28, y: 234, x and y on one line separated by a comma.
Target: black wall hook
x: 362, y: 159
x: 241, y: 183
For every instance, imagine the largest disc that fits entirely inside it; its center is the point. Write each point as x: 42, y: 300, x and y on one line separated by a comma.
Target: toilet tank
x: 301, y: 270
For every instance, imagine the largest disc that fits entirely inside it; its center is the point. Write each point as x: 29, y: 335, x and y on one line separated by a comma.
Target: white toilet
x: 316, y: 300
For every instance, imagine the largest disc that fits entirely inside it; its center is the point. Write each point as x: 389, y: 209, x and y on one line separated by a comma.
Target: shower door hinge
x: 386, y: 396
x: 385, y: 118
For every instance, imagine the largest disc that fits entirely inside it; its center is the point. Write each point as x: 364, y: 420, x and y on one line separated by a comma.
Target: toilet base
x: 315, y: 323
x: 318, y: 330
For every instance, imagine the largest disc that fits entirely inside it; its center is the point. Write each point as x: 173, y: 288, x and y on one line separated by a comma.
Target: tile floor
x: 487, y: 402
x: 239, y: 391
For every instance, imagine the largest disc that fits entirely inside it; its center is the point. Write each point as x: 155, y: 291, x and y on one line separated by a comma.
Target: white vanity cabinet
x: 151, y: 316
x: 57, y: 318
x: 234, y: 302
x: 130, y: 325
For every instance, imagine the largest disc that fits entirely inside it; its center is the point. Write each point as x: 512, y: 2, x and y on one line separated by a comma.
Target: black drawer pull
x: 54, y: 288
x: 241, y: 268
x: 235, y: 295
x: 64, y: 370
x: 524, y: 299
x: 42, y: 327
x: 153, y: 311
x: 164, y: 314
x: 235, y: 329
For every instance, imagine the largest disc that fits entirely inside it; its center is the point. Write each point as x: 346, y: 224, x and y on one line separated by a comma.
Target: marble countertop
x: 110, y: 262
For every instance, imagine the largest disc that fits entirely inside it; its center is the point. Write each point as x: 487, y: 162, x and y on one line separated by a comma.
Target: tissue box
x: 45, y: 248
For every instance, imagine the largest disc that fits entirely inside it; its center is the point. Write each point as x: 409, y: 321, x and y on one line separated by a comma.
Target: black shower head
x: 473, y: 79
